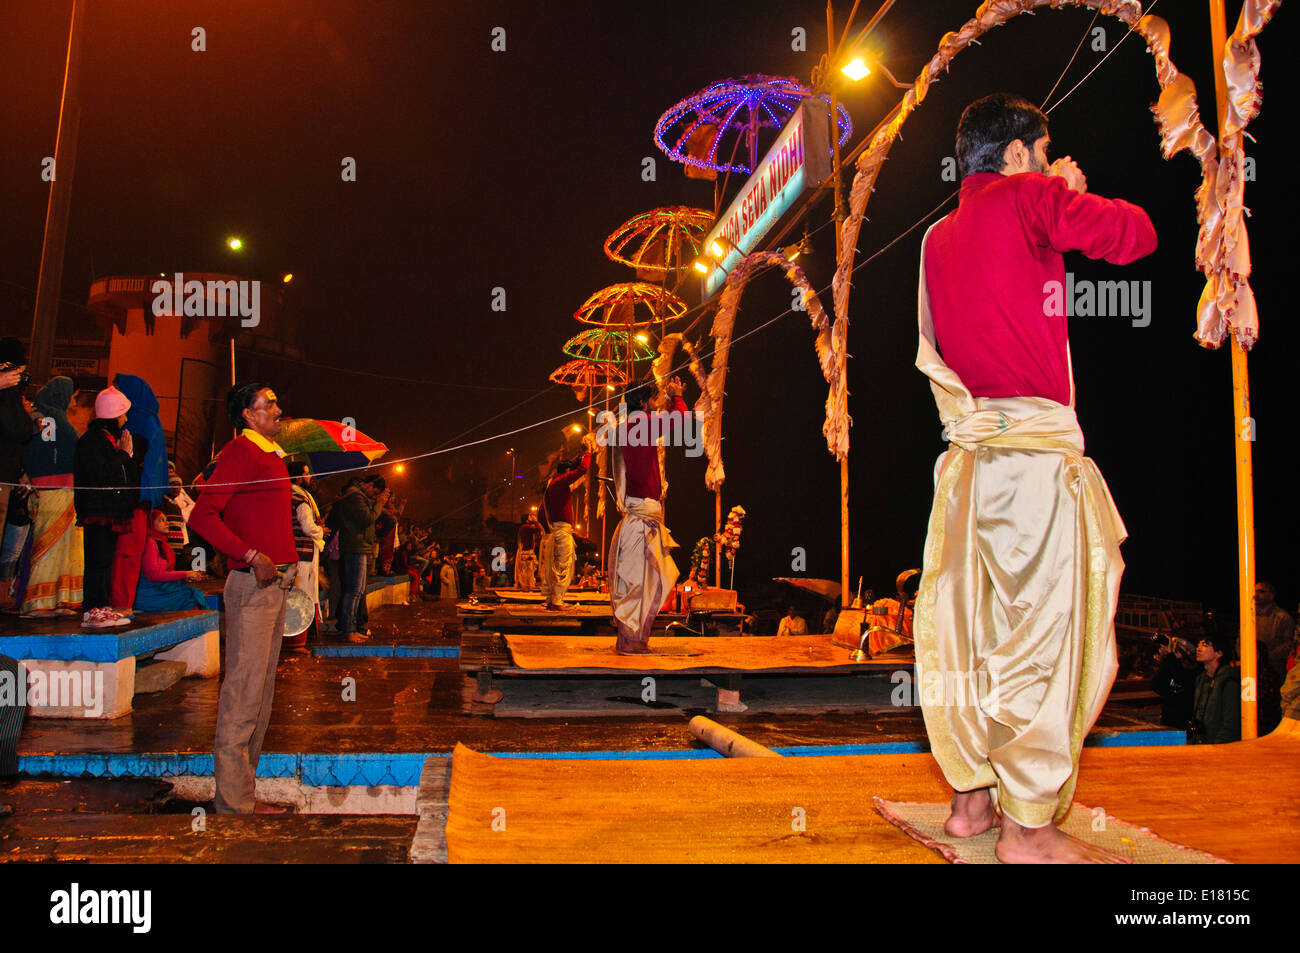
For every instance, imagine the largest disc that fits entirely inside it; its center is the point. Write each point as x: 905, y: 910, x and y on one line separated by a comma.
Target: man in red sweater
x: 244, y: 511
x: 557, y: 547
x: 1015, y: 636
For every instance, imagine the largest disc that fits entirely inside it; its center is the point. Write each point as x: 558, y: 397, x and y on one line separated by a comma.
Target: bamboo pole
x: 728, y: 743
x: 843, y: 369
x: 1242, y: 454
x: 717, y: 544
x: 50, y: 278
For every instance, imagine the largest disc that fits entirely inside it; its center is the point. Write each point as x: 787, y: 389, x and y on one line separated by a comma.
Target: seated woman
x: 162, y: 586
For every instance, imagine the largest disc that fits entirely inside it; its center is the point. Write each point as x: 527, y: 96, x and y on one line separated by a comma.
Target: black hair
x: 989, y: 125
x: 376, y: 481
x: 564, y: 466
x: 1224, y: 643
x: 12, y: 352
x: 240, y: 398
x: 638, y: 395
x: 297, y: 468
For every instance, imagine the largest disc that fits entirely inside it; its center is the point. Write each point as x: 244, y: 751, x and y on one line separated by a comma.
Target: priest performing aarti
x: 1015, y: 635
x: 641, y: 572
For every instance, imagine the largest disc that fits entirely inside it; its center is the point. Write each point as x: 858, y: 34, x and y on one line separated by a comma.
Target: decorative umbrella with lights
x: 587, y: 377
x: 660, y: 241
x: 617, y: 306
x: 705, y: 131
x: 605, y: 346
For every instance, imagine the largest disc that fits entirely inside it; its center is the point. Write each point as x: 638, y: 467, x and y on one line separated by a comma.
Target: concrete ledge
x: 202, y: 656
x: 310, y: 799
x: 148, y: 633
x: 59, y: 689
x: 388, y: 591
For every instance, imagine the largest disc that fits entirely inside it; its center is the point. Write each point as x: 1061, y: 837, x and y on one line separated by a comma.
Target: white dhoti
x: 1014, y: 626
x: 641, y: 572
x: 525, y: 569
x: 557, y: 563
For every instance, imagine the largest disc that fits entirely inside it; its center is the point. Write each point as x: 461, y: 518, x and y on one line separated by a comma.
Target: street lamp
x: 511, y: 451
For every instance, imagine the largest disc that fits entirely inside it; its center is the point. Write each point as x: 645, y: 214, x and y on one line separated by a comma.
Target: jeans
x: 352, y: 569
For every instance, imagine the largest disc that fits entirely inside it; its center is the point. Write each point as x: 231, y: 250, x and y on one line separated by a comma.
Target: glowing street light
x: 234, y: 244
x: 287, y: 278
x: 576, y: 428
x: 855, y: 69
x: 400, y: 468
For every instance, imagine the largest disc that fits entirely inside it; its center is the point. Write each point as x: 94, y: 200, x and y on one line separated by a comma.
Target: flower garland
x: 700, y: 559
x: 729, y: 538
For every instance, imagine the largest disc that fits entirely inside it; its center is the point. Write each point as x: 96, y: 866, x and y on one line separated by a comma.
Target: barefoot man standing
x: 1015, y: 635
x: 641, y: 573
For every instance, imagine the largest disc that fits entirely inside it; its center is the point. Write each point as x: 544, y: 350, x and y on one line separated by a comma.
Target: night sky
x: 479, y: 169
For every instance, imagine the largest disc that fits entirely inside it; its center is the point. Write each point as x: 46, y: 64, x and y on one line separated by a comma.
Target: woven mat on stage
x: 678, y: 654
x: 536, y: 598
x: 924, y: 823
x: 1234, y: 801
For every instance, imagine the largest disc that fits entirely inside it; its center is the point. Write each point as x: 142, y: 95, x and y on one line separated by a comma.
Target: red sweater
x: 159, y: 561
x: 559, y: 492
x: 642, y: 461
x: 986, y: 265
x: 248, y: 514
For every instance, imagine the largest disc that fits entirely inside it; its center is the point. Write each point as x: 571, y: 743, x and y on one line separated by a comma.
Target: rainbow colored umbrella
x: 328, y: 445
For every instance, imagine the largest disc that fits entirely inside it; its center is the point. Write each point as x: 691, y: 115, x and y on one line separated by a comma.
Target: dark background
x: 479, y: 169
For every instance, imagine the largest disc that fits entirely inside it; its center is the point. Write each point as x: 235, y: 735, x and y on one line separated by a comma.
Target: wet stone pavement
x: 341, y: 705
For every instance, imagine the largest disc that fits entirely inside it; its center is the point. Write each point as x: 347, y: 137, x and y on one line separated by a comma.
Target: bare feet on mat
x: 972, y: 813
x: 1048, y: 845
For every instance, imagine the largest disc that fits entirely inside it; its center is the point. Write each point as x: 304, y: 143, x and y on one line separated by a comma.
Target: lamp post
x: 511, y: 451
x: 824, y: 75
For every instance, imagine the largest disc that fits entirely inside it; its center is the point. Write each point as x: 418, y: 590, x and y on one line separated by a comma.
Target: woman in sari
x: 54, y: 586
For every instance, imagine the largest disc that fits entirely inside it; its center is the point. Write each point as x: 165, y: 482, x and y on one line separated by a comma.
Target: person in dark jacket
x: 1175, y: 681
x: 357, y: 511
x: 16, y: 424
x: 106, y: 474
x: 1216, y: 706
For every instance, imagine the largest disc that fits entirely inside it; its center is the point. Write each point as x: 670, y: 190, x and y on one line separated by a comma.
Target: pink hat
x: 111, y: 403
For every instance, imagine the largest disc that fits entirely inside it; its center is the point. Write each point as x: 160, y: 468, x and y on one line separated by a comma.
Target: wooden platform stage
x: 554, y: 676
x: 1240, y: 802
